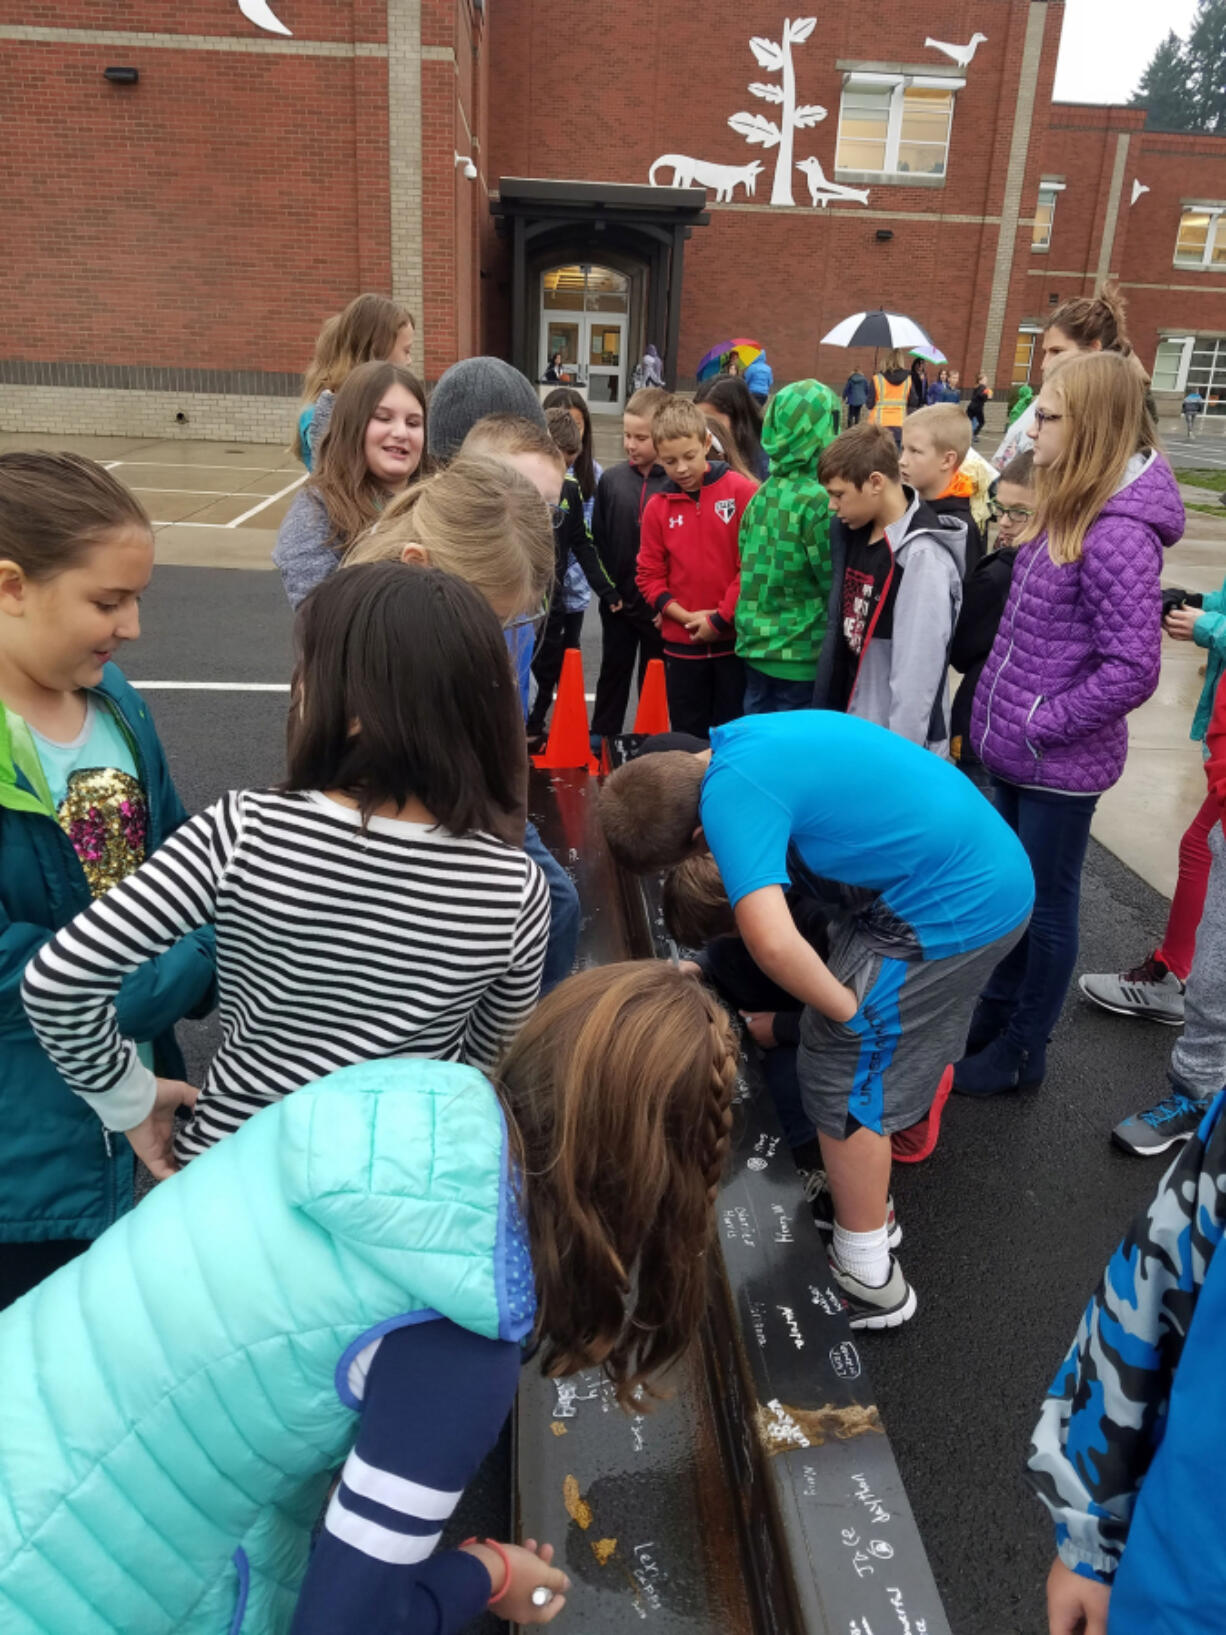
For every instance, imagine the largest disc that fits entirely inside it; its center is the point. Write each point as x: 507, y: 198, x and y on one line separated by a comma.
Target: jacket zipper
x: 987, y: 714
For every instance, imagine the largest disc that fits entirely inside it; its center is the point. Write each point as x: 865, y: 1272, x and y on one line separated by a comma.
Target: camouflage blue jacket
x: 1131, y: 1441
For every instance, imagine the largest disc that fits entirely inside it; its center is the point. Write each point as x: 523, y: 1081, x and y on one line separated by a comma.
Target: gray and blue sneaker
x: 1158, y: 1128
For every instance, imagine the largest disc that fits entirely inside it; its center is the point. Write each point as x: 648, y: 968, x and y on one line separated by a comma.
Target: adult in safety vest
x: 890, y: 390
x: 347, y: 1281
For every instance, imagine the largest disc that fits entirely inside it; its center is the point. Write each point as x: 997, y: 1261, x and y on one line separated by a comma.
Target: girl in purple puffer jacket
x: 1077, y: 649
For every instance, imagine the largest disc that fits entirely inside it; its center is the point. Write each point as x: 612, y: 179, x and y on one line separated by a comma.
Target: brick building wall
x: 172, y: 247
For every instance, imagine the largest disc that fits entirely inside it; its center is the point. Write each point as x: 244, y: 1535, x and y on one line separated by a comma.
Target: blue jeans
x: 768, y: 695
x: 1032, y: 980
x: 563, y: 912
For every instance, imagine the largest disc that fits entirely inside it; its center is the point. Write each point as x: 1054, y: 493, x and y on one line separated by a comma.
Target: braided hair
x: 620, y: 1088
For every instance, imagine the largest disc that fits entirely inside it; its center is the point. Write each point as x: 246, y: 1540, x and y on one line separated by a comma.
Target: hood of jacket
x: 1149, y: 494
x: 800, y: 423
x: 895, y: 376
x: 922, y: 521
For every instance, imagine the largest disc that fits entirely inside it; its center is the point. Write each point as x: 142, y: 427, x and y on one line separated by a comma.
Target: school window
x: 1202, y: 238
x: 1023, y: 356
x: 1193, y: 363
x: 1044, y: 214
x: 895, y: 126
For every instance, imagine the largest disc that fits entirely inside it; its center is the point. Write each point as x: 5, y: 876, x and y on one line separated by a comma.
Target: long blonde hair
x: 481, y: 520
x: 364, y: 332
x: 1102, y: 394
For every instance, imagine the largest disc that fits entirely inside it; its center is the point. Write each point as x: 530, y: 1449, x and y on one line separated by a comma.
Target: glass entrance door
x: 606, y: 362
x: 585, y: 317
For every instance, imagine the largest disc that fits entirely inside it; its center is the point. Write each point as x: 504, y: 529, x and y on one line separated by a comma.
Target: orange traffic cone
x: 569, y: 744
x: 652, y: 713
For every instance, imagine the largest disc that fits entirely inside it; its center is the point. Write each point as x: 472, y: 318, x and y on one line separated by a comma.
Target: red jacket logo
x: 725, y: 510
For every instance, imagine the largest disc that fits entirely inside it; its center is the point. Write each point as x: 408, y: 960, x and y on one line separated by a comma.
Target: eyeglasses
x: 1043, y: 418
x: 1010, y: 513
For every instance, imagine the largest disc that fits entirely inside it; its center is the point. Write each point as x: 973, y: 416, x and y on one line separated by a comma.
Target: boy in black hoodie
x: 630, y: 632
x: 935, y: 442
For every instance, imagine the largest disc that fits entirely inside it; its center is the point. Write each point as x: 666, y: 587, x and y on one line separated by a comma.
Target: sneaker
x: 1151, y: 990
x: 817, y: 1196
x: 1158, y: 1128
x: 887, y: 1307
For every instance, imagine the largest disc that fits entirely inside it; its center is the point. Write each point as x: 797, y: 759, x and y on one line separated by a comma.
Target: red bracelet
x: 506, y: 1562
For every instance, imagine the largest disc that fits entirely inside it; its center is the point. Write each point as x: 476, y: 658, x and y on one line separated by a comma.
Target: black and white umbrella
x: 879, y: 328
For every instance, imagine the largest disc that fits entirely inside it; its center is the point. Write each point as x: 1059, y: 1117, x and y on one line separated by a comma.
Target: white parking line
x: 264, y: 504
x: 211, y: 686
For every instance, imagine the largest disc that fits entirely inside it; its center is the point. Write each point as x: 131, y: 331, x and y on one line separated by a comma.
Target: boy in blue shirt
x: 925, y: 887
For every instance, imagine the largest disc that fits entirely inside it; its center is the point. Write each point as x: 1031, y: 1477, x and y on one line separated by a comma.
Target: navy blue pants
x: 1033, y: 979
x: 768, y: 695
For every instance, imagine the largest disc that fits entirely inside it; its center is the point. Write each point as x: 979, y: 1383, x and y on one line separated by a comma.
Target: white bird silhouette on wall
x: 262, y: 15
x: 1137, y: 189
x: 961, y: 54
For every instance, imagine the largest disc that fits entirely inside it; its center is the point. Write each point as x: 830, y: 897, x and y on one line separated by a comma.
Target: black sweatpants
x: 625, y: 643
x: 704, y: 693
x: 560, y: 633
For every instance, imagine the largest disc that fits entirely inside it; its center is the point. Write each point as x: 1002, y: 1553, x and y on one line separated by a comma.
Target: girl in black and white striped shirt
x: 362, y: 910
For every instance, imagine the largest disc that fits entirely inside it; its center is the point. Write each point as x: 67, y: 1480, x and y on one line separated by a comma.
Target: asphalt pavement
x: 1006, y: 1229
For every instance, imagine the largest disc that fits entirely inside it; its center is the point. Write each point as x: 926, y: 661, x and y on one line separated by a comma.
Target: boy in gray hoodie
x: 895, y: 593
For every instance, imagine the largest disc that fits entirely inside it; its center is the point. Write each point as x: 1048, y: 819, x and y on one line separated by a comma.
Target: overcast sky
x: 1107, y: 44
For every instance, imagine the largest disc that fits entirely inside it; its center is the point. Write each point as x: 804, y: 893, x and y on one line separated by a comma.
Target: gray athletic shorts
x: 883, y: 1067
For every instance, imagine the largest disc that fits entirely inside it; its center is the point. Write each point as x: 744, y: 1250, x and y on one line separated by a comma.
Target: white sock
x: 866, y: 1255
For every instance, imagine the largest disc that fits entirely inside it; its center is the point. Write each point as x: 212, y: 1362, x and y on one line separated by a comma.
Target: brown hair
x: 730, y: 395
x: 723, y: 446
x: 53, y: 507
x: 481, y: 520
x: 566, y: 397
x: 649, y: 810
x: 351, y: 496
x: 896, y: 358
x: 1020, y: 470
x: 678, y: 417
x: 694, y: 903
x: 364, y: 332
x: 510, y: 434
x: 620, y: 1086
x: 644, y: 403
x: 855, y: 455
x: 947, y: 426
x: 1103, y: 399
x: 566, y: 435
x: 1088, y: 320
x: 418, y: 661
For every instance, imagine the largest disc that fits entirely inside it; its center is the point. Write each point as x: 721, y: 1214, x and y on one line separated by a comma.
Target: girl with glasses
x: 1077, y: 650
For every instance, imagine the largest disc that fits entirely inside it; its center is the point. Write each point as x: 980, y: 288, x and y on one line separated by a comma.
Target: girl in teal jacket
x: 85, y: 795
x: 366, y: 1258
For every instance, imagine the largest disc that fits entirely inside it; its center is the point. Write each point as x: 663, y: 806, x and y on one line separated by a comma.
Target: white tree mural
x: 776, y: 58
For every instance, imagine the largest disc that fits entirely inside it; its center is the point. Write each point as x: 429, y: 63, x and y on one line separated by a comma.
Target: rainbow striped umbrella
x: 716, y: 359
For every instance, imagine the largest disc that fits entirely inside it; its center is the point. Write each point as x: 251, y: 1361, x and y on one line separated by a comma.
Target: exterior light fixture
x: 470, y: 170
x: 883, y: 235
x: 121, y: 76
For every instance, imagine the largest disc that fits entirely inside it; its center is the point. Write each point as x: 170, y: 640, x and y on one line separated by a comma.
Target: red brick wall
x: 210, y: 216
x: 782, y: 276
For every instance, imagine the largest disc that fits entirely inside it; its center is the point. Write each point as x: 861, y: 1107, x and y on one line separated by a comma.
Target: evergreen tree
x: 1163, y: 91
x: 1205, y: 57
x: 1184, y: 87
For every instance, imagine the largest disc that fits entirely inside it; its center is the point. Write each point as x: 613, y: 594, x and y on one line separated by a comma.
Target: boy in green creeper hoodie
x: 785, y: 554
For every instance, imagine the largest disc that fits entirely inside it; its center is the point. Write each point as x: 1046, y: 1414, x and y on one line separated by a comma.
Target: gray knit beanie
x: 470, y: 390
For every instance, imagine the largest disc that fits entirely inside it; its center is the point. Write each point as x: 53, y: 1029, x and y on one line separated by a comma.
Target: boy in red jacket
x: 689, y: 569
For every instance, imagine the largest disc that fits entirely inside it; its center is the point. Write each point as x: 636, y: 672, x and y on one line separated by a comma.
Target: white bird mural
x: 1137, y: 189
x: 821, y: 190
x: 961, y: 54
x: 261, y: 14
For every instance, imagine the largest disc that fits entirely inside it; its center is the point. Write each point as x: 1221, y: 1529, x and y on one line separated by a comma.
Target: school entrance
x: 585, y: 315
x: 596, y: 274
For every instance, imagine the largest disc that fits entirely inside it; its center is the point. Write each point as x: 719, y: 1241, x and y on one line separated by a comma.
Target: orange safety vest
x: 890, y: 408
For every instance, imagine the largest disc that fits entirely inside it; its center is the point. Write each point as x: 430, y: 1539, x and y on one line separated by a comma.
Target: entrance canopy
x: 640, y: 231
